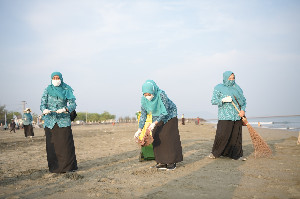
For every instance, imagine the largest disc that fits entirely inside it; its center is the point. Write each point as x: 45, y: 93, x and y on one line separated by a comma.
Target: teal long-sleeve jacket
x: 27, y: 118
x: 226, y: 110
x: 54, y: 103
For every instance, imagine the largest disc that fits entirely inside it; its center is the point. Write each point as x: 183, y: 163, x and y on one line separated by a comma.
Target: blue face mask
x: 231, y: 82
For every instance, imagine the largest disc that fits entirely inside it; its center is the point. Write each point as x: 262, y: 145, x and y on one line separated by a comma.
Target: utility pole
x: 86, y: 117
x: 5, y: 125
x: 24, y: 102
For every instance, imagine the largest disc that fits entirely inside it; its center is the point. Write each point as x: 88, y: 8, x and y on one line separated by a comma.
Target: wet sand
x: 109, y: 168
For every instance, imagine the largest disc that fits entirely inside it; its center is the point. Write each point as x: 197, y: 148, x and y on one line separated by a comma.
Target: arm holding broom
x: 229, y: 99
x: 241, y: 113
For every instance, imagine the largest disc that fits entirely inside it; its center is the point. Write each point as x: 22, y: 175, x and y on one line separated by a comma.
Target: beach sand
x: 109, y: 168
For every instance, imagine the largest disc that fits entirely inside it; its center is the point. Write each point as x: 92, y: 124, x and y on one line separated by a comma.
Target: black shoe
x: 171, y: 167
x: 161, y: 166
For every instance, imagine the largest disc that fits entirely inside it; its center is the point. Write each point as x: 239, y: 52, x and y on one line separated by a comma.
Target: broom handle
x: 235, y: 107
x: 243, y: 118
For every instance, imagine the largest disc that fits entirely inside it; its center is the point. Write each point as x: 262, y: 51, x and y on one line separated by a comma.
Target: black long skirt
x: 167, y: 145
x: 60, y: 149
x: 28, y: 130
x: 228, y: 139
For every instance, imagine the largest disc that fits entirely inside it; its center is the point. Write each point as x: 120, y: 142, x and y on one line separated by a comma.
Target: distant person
x: 166, y: 145
x: 182, y: 119
x: 298, y: 142
x: 27, y: 123
x: 228, y: 139
x: 12, y: 126
x: 57, y: 103
x: 198, y: 120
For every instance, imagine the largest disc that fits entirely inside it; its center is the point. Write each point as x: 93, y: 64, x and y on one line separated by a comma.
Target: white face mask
x: 56, y: 82
x: 27, y: 111
x: 149, y: 97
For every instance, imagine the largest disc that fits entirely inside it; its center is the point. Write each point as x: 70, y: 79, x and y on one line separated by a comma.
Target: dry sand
x: 109, y: 168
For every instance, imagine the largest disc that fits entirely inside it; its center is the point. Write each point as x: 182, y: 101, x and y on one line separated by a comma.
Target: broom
x: 261, y: 148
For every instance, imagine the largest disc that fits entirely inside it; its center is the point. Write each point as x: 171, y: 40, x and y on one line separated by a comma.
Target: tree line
x: 80, y: 116
x: 9, y: 115
x: 94, y: 116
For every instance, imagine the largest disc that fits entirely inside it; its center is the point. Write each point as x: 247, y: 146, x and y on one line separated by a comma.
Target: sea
x: 290, y: 122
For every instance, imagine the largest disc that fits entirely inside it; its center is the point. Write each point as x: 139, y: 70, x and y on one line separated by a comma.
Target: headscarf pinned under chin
x: 63, y: 91
x: 155, y: 106
x: 230, y: 88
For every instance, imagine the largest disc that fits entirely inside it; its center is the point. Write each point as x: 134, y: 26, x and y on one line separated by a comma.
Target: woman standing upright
x: 228, y: 139
x: 27, y: 122
x: 57, y: 103
x: 166, y: 145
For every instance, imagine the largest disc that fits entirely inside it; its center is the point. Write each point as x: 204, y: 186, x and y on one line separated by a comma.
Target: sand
x: 109, y: 168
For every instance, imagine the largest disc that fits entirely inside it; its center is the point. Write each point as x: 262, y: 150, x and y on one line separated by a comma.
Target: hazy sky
x: 107, y: 49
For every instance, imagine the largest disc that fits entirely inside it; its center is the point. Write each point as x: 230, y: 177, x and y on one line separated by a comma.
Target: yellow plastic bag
x: 147, y: 123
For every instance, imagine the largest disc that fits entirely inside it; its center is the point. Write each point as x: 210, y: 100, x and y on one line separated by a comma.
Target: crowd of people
x: 58, y: 103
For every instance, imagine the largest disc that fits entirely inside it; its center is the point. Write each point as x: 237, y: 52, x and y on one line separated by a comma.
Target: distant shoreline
x: 264, y: 117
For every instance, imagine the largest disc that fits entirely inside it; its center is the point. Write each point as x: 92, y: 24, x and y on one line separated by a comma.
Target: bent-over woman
x: 166, y: 145
x: 228, y: 139
x: 57, y: 103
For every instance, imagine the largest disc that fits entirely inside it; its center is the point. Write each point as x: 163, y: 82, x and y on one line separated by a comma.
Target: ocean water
x: 291, y: 123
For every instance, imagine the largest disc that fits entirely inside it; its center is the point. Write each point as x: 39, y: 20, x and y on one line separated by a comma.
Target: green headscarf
x: 155, y: 106
x: 63, y: 91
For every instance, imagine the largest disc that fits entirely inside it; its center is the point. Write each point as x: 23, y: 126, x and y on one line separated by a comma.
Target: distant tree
x: 2, y: 113
x: 80, y: 116
x: 9, y: 115
x: 107, y: 116
x: 133, y: 119
x: 127, y: 119
x: 94, y: 116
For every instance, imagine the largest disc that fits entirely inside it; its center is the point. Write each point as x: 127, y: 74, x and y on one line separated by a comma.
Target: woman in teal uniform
x: 228, y: 139
x: 166, y: 145
x: 57, y: 103
x: 27, y: 122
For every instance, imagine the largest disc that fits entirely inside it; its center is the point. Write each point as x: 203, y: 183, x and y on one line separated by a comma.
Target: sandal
x: 211, y: 156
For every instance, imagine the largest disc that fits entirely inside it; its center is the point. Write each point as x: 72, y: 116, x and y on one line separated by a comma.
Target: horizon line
x: 264, y: 116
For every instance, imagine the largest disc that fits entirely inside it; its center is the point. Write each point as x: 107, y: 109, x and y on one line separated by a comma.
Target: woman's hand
x: 138, y: 133
x: 46, y: 111
x: 242, y: 113
x: 152, y: 126
x: 62, y: 110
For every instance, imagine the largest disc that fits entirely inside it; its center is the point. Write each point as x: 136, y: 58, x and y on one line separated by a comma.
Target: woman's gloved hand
x: 46, y: 111
x: 138, y: 133
x: 227, y: 99
x: 62, y: 110
x: 152, y: 126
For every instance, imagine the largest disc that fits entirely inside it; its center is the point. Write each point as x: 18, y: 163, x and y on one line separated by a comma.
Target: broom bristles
x: 147, y: 139
x: 261, y: 148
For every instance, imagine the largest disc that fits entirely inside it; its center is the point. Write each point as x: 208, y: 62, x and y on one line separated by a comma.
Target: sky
x: 107, y: 49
